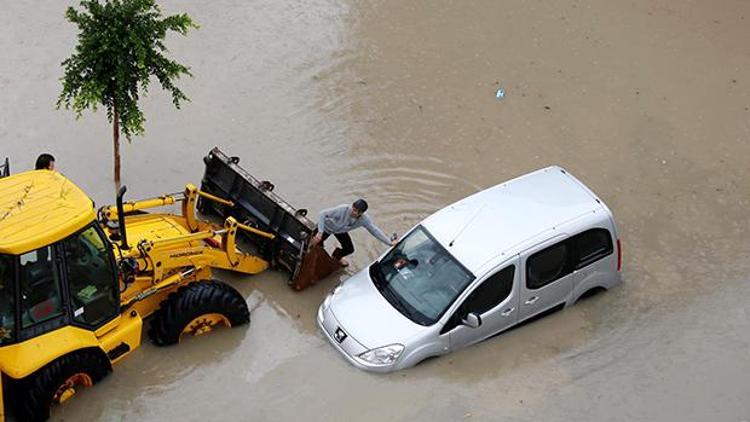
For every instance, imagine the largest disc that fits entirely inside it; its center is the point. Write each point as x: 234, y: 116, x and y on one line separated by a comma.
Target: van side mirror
x: 472, y: 320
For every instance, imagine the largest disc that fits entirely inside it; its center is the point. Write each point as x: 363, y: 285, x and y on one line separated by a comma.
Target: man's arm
x: 375, y: 231
x: 322, y: 219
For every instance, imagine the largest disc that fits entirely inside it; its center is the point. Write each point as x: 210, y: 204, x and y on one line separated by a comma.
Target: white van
x: 490, y: 261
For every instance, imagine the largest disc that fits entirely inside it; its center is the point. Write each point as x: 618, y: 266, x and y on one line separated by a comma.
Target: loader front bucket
x: 256, y: 204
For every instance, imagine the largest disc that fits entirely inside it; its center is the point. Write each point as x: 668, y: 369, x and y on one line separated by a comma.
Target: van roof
x: 500, y: 219
x: 38, y: 208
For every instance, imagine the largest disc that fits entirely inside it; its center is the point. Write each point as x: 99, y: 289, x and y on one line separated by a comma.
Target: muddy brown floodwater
x: 646, y: 101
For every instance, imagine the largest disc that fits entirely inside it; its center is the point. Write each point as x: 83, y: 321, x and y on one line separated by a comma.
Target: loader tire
x: 56, y: 383
x: 196, y: 309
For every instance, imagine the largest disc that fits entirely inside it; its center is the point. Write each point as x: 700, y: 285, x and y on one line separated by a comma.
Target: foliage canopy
x: 120, y: 47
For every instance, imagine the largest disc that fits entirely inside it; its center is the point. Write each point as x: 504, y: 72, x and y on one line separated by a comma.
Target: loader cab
x: 72, y: 281
x: 56, y: 266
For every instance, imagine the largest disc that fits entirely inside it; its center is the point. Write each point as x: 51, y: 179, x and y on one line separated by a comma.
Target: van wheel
x: 591, y: 292
x: 197, y: 309
x: 57, y: 382
x: 425, y: 360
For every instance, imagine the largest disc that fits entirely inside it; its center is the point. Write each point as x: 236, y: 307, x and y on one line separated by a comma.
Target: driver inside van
x: 400, y: 264
x: 402, y: 261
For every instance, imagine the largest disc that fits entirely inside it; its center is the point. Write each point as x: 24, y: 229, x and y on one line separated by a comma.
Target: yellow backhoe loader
x: 76, y: 283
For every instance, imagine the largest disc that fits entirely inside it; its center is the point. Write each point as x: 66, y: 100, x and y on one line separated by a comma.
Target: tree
x: 120, y: 47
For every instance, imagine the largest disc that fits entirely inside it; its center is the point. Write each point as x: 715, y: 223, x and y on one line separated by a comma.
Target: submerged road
x: 646, y: 102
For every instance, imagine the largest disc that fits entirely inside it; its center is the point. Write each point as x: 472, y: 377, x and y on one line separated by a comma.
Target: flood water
x: 647, y: 102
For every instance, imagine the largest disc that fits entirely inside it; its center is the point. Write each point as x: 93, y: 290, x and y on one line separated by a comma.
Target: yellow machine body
x: 40, y: 208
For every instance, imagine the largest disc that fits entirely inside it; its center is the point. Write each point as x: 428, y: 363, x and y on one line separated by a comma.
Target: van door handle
x: 507, y: 311
x: 532, y: 300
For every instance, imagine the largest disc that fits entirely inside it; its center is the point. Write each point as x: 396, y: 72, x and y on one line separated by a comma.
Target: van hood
x: 365, y: 315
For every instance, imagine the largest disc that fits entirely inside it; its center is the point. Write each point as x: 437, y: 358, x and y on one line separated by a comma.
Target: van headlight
x: 385, y: 355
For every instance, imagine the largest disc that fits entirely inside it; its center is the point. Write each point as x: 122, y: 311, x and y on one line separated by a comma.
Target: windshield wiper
x: 377, y: 275
x: 401, y: 304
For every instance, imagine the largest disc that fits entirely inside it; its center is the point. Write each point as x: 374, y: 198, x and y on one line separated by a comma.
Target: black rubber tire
x: 192, y: 301
x: 33, y: 395
x: 591, y: 292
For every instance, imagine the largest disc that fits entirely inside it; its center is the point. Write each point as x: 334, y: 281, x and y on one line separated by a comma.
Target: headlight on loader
x: 385, y: 355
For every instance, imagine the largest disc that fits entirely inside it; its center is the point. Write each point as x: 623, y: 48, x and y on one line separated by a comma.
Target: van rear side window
x: 581, y: 250
x: 548, y: 265
x: 592, y: 245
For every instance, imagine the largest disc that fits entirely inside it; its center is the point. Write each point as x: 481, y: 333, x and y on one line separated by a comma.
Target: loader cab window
x: 7, y: 300
x: 91, y: 278
x: 41, y: 299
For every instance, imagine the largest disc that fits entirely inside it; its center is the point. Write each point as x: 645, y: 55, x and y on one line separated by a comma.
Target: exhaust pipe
x: 121, y: 217
x: 5, y: 168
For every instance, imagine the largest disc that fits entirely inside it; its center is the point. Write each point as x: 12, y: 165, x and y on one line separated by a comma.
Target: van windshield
x: 420, y: 278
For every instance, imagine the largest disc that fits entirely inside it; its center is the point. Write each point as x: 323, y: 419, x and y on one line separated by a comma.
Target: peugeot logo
x: 339, y: 335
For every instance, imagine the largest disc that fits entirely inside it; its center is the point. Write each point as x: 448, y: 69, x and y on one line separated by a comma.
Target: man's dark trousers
x: 347, y: 247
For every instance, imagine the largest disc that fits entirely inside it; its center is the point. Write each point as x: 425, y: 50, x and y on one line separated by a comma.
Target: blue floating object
x: 500, y: 94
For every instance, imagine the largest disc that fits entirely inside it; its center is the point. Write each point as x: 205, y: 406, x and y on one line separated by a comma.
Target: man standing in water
x: 339, y: 221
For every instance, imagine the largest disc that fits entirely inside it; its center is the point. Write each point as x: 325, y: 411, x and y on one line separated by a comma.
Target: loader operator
x: 45, y: 162
x: 342, y: 219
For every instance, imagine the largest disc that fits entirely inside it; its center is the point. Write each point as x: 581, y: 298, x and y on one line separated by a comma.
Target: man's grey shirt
x: 339, y: 220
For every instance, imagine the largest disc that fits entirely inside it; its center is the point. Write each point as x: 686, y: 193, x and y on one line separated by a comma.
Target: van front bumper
x: 323, y: 315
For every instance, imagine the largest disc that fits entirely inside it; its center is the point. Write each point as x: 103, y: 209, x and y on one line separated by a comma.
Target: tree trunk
x: 116, y: 139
